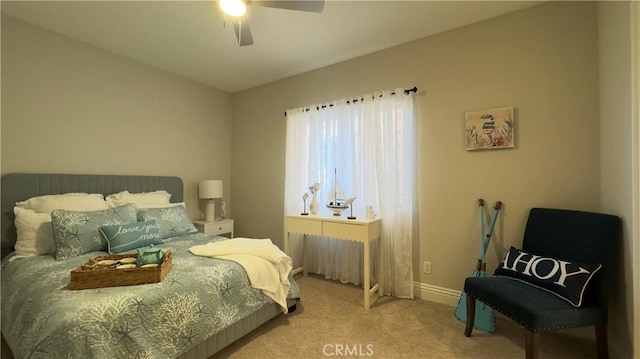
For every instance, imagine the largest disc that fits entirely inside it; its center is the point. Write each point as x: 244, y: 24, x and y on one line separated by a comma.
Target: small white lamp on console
x: 210, y: 190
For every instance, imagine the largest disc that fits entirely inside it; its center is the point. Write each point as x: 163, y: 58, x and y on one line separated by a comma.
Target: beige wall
x: 68, y: 107
x: 570, y: 153
x: 545, y: 65
x: 542, y: 60
x: 616, y: 143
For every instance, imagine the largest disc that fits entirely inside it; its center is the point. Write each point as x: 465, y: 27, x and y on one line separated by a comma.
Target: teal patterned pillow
x: 76, y: 233
x: 125, y: 237
x: 173, y: 221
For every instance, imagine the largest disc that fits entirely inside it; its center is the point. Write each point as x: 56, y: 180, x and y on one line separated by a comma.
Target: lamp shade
x: 208, y: 189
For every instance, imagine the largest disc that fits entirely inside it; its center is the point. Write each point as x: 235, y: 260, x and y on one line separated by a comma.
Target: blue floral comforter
x: 199, y: 297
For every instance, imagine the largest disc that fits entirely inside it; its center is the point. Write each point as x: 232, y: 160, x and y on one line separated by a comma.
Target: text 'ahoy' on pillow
x: 566, y: 279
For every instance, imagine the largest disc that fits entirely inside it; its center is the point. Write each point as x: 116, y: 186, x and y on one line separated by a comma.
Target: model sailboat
x: 338, y: 202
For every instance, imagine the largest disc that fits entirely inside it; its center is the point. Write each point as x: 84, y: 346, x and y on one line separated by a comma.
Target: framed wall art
x: 489, y: 129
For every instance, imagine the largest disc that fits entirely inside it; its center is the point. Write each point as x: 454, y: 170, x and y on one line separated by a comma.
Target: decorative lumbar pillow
x: 35, y: 235
x: 125, y: 237
x: 154, y: 199
x: 568, y: 280
x: 173, y: 221
x: 77, y: 233
x: 68, y: 201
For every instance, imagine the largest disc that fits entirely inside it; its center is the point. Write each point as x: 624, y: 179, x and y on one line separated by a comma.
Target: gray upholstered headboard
x: 20, y: 186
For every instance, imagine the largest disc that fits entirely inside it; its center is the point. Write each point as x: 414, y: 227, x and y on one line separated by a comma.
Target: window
x: 371, y: 144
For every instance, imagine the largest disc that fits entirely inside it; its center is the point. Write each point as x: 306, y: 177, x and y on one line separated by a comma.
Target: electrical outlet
x: 426, y: 267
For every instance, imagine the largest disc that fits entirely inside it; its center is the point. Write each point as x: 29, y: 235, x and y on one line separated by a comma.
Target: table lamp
x: 210, y: 190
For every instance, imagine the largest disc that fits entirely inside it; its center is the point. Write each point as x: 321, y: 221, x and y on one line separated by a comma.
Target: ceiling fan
x: 236, y: 9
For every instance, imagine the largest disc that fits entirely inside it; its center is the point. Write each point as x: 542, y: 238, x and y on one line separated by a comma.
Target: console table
x: 358, y: 230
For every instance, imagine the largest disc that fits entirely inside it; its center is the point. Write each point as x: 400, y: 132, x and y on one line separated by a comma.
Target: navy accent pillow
x: 126, y: 237
x: 568, y: 280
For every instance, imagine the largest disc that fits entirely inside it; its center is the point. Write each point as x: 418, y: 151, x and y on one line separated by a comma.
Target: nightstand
x: 221, y: 227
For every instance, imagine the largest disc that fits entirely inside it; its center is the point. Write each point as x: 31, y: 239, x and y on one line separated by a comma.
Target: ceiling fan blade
x: 300, y: 5
x: 243, y: 32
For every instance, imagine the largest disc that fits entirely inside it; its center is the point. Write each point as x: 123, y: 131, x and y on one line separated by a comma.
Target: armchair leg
x: 532, y: 341
x: 602, y: 342
x: 471, y: 315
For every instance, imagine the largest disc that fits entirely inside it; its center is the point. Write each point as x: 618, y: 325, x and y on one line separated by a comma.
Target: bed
x: 202, y: 305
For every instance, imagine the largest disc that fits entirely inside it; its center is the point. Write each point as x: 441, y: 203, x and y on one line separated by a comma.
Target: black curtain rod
x: 414, y: 89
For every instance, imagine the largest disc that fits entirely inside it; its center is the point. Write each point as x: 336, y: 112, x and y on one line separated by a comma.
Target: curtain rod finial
x: 413, y: 89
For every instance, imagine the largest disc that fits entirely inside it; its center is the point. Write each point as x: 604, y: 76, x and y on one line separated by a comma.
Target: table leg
x: 367, y: 274
x: 287, y: 250
x: 304, y: 265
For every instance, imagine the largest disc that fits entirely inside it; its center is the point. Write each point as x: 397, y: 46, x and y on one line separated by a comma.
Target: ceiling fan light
x: 233, y: 7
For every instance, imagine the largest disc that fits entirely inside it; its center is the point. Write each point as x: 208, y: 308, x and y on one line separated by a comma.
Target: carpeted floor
x: 331, y: 322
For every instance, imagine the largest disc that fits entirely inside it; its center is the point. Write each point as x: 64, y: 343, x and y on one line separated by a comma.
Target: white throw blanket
x: 266, y: 265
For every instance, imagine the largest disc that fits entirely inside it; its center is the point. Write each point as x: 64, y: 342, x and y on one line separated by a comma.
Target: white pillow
x: 158, y: 205
x: 141, y: 200
x: 67, y: 201
x: 35, y: 233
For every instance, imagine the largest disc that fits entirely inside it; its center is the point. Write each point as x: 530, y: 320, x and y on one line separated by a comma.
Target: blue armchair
x: 565, y: 235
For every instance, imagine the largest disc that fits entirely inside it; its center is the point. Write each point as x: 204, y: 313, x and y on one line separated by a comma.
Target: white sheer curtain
x: 372, y: 145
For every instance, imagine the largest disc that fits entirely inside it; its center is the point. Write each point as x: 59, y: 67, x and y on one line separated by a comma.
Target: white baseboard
x: 433, y: 293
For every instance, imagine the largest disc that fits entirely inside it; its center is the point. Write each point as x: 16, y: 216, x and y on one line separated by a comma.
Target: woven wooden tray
x: 90, y: 275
